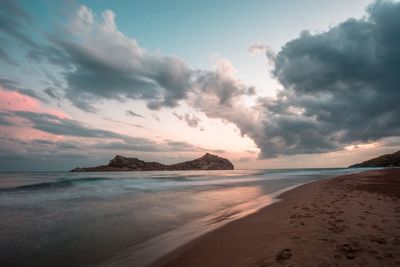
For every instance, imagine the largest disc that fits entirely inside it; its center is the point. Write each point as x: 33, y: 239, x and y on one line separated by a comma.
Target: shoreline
x: 347, y: 220
x: 164, y: 244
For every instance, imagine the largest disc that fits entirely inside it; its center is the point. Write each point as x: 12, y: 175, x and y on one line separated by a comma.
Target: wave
x: 55, y: 184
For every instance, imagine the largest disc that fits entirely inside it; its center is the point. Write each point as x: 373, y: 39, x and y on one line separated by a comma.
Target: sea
x: 128, y: 218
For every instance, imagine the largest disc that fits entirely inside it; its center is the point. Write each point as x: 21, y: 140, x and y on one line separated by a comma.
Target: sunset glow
x: 144, y: 88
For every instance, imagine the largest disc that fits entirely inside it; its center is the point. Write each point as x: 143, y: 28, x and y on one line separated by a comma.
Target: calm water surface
x: 130, y: 218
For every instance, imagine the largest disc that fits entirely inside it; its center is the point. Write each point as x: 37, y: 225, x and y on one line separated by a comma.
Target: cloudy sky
x: 268, y: 84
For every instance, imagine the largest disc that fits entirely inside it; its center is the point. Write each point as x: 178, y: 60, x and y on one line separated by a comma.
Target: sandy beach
x: 350, y: 220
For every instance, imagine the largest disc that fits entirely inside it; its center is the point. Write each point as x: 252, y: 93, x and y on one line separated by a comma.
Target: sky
x: 266, y: 84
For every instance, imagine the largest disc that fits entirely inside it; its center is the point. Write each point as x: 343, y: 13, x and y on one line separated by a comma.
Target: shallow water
x: 126, y: 218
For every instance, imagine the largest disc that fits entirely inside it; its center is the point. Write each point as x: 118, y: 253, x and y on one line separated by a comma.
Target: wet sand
x: 350, y: 220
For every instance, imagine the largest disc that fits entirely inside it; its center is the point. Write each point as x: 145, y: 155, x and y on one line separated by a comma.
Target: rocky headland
x: 388, y: 160
x: 121, y: 163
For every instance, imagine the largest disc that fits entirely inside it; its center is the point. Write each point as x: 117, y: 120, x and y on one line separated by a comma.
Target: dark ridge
x: 388, y: 160
x: 121, y: 163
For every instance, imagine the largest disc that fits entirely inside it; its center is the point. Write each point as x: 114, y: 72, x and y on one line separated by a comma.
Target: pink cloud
x: 21, y: 129
x: 15, y: 101
x: 11, y: 100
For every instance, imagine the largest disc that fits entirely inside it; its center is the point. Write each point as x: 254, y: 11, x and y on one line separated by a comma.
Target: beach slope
x: 351, y: 220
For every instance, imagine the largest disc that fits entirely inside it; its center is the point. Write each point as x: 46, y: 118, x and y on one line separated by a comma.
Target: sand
x: 351, y: 220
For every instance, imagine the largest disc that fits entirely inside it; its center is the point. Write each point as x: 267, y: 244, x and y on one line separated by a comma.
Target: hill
x: 121, y: 163
x: 388, y: 160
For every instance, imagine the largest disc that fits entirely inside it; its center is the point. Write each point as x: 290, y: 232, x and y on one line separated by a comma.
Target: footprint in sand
x: 349, y: 251
x: 283, y: 255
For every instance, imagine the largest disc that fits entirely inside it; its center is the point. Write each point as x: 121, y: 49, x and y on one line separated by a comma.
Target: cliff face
x: 388, y: 160
x: 121, y: 163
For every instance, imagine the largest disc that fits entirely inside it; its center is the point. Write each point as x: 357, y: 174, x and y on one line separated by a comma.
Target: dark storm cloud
x: 162, y: 82
x: 100, y: 63
x: 341, y: 87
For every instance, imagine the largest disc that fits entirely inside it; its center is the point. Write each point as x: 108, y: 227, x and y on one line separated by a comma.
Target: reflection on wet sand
x: 153, y: 249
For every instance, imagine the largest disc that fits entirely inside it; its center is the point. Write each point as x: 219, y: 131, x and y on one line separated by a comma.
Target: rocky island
x: 121, y: 163
x: 388, y: 160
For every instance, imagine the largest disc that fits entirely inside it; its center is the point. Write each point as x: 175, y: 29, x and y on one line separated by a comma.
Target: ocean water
x: 127, y: 218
